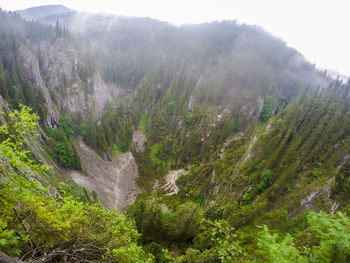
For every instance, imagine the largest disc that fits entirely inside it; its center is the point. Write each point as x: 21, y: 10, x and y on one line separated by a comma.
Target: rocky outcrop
x: 323, y: 194
x: 3, y: 105
x: 191, y: 104
x: 60, y: 64
x: 89, y: 105
x: 100, y: 96
x: 139, y: 140
x: 59, y: 60
x: 252, y: 111
x: 6, y: 259
x: 32, y: 69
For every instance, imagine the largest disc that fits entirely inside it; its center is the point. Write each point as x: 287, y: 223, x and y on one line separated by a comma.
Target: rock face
x: 6, y: 259
x: 59, y: 67
x: 100, y: 96
x: 64, y: 91
x: 87, y: 104
x: 139, y: 140
x: 59, y: 58
x: 60, y: 63
x: 31, y: 66
x: 3, y: 105
x: 323, y: 194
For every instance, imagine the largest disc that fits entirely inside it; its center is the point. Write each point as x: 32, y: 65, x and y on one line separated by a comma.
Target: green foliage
x: 48, y: 150
x: 160, y: 255
x: 47, y: 227
x: 269, y: 106
x: 218, y: 238
x: 143, y: 124
x: 333, y: 232
x: 183, y: 223
x: 122, y: 147
x: 189, y: 119
x: 299, y: 151
x: 178, y: 225
x: 149, y: 170
x: 67, y: 155
x: 183, y: 95
x: 200, y: 199
x: 155, y: 148
x: 171, y: 107
x: 15, y: 85
x: 330, y: 241
x: 55, y: 225
x: 116, y: 129
x: 65, y: 124
x: 128, y: 254
x: 275, y: 249
x: 64, y: 144
x: 20, y: 124
x: 246, y: 199
x: 63, y: 154
x: 341, y: 189
x: 213, y: 212
x: 264, y: 180
x: 8, y: 240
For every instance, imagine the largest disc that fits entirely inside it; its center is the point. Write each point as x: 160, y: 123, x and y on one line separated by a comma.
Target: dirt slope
x: 114, y: 182
x: 171, y: 181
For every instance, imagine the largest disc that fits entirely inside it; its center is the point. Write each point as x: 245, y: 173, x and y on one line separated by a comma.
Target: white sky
x: 319, y: 29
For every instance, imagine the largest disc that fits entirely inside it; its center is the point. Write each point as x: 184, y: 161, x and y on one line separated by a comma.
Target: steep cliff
x: 31, y: 65
x: 60, y: 67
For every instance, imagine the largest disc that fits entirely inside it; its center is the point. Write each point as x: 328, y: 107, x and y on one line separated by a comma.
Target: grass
x: 122, y: 147
x: 115, y: 152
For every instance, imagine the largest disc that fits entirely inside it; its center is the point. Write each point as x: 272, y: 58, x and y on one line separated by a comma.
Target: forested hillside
x: 229, y: 145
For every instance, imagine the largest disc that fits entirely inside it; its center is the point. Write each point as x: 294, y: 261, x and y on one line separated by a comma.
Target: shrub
x: 265, y: 180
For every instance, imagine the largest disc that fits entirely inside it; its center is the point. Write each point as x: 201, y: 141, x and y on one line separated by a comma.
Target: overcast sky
x: 319, y: 29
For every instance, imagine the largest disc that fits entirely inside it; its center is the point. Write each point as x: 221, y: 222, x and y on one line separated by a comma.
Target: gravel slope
x: 114, y: 182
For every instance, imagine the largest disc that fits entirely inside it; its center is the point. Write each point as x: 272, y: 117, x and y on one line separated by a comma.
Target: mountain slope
x: 40, y: 12
x: 215, y: 74
x: 229, y: 129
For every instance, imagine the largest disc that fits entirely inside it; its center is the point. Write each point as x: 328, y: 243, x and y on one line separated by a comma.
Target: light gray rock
x: 6, y: 259
x: 31, y: 66
x: 60, y: 59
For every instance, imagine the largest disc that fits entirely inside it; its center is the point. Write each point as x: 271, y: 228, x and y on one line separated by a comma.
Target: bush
x: 265, y: 180
x: 40, y: 227
x: 63, y: 154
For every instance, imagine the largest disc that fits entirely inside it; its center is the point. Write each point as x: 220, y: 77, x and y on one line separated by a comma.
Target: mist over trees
x: 260, y: 135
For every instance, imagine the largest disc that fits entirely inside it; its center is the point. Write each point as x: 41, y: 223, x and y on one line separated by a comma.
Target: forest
x: 261, y: 135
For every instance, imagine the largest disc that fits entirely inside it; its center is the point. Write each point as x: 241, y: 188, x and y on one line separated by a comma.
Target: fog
x: 315, y: 28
